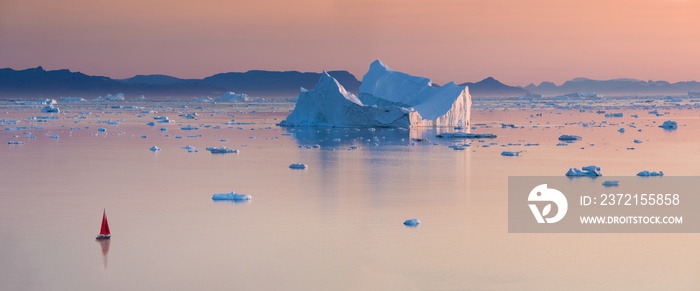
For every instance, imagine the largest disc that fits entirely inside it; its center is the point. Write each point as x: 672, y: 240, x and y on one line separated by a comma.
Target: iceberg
x: 50, y: 109
x: 413, y: 222
x: 330, y: 105
x: 611, y: 183
x: 15, y: 142
x: 669, y: 124
x: 621, y: 130
x: 221, y: 150
x: 298, y: 166
x: 510, y: 154
x: 646, y: 173
x: 587, y: 171
x: 154, y: 149
x: 568, y: 137
x: 232, y: 97
x: 231, y: 196
x: 466, y: 135
x: 387, y: 99
x: 442, y: 106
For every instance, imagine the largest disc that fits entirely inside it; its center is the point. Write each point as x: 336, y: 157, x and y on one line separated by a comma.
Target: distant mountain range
x: 37, y: 82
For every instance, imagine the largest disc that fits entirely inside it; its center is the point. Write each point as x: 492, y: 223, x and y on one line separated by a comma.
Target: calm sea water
x: 334, y: 226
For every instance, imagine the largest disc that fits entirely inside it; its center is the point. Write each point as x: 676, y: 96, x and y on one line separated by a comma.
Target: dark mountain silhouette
x: 616, y: 87
x: 38, y: 82
x: 491, y: 87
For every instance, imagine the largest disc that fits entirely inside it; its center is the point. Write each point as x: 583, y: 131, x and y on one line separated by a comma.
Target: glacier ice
x: 587, y: 171
x: 231, y: 196
x: 568, y: 137
x: 646, y: 173
x: 298, y: 166
x: 387, y: 99
x: 669, y: 124
x: 330, y: 105
x: 232, y: 97
x: 221, y: 150
x: 444, y: 106
x: 611, y: 183
x: 50, y: 109
x: 413, y: 222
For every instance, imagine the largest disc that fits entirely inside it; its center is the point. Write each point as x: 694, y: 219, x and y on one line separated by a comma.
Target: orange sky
x: 515, y: 41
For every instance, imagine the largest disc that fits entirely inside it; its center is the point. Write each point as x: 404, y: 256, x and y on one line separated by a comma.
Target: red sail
x: 105, y: 226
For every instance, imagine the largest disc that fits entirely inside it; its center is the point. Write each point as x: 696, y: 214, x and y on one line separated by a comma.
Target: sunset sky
x: 515, y: 41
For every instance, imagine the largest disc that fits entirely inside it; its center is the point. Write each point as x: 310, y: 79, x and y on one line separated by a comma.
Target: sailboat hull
x: 102, y: 236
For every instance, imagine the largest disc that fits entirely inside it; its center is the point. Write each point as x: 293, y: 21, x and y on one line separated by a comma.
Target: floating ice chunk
x: 50, y: 109
x: 413, y: 222
x: 231, y: 196
x: 614, y: 114
x: 646, y: 173
x: 587, y: 171
x: 621, y: 130
x: 163, y: 129
x: 154, y: 148
x: 189, y: 127
x: 15, y: 142
x: 222, y: 150
x: 54, y: 136
x: 611, y: 183
x: 568, y: 137
x: 102, y: 129
x: 637, y: 141
x: 232, y: 97
x: 466, y: 135
x: 151, y: 123
x: 669, y: 124
x: 510, y: 154
x: 298, y: 166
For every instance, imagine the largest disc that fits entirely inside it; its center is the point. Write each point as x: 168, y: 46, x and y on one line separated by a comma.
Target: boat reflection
x: 104, y: 244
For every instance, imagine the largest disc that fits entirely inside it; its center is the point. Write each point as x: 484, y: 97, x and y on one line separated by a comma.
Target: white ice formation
x: 413, y: 222
x: 646, y: 173
x: 387, y: 99
x: 231, y: 196
x: 587, y: 171
x: 232, y: 97
x: 669, y: 124
x: 298, y: 166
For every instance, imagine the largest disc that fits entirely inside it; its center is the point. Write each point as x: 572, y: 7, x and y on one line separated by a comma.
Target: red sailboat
x: 104, y: 230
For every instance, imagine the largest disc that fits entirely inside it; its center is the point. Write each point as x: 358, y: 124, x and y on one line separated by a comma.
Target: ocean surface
x: 338, y: 225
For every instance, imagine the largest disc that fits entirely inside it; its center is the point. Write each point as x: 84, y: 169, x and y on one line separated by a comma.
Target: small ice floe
x: 298, y: 166
x: 163, y: 129
x: 413, y: 222
x: 646, y: 173
x: 160, y: 117
x: 102, y: 129
x: 222, y: 150
x: 466, y: 135
x: 587, y: 171
x: 189, y: 127
x: 50, y: 109
x: 154, y: 149
x: 611, y: 183
x: 15, y: 142
x: 621, y: 130
x: 569, y: 137
x: 151, y: 123
x: 54, y: 136
x: 614, y: 114
x: 669, y: 124
x: 510, y: 154
x: 459, y: 147
x: 637, y: 141
x: 231, y: 196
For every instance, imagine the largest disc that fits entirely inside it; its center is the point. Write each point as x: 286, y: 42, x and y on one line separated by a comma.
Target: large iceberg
x: 448, y: 105
x: 330, y: 105
x: 232, y: 97
x: 387, y: 99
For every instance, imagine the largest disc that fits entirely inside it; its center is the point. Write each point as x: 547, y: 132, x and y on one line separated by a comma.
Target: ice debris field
x: 393, y: 112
